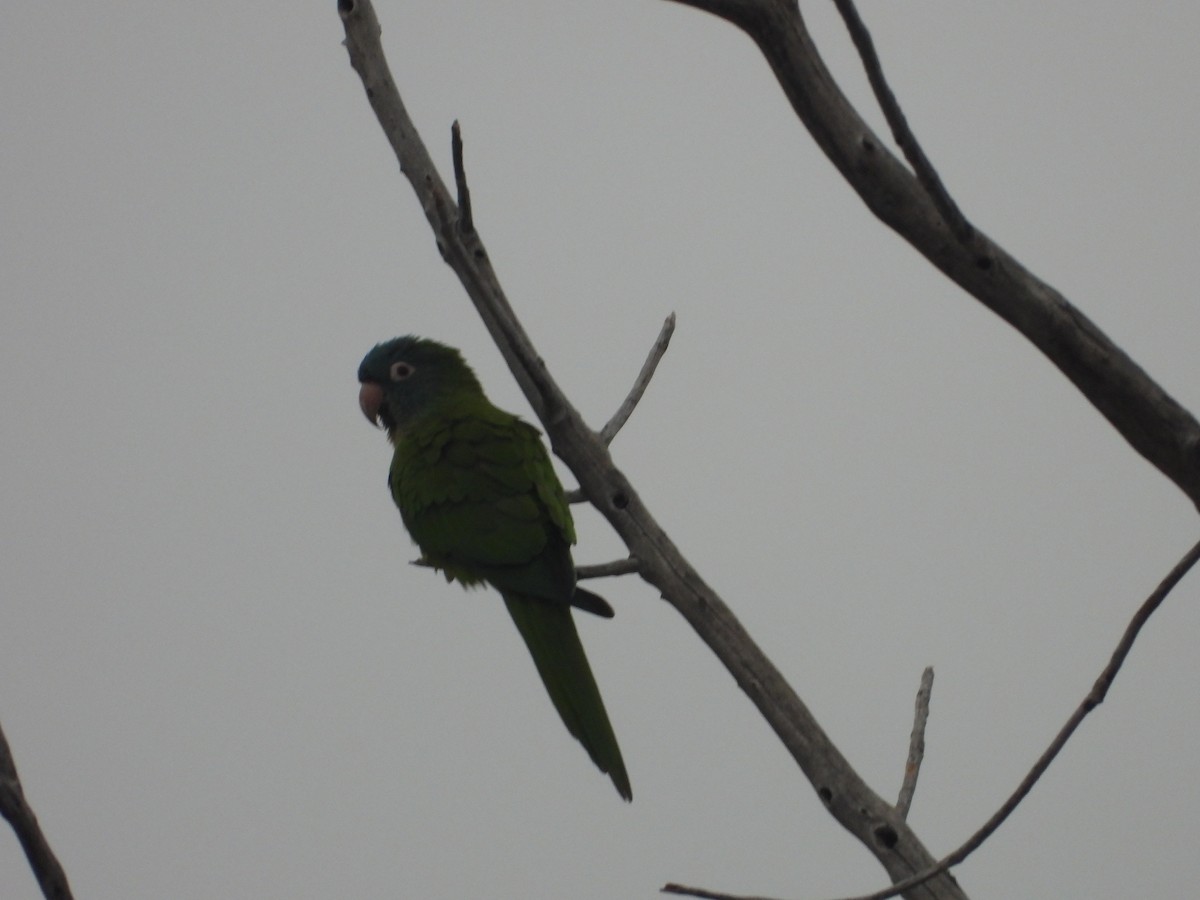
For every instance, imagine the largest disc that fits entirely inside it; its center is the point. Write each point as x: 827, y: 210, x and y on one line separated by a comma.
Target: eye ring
x: 400, y: 371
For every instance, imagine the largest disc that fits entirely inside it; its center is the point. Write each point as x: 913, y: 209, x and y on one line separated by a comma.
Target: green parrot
x: 479, y: 497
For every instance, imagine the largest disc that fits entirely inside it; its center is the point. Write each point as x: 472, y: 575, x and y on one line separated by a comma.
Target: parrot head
x: 408, y: 377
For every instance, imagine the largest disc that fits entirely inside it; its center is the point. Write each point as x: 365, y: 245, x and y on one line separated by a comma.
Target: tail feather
x: 549, y: 632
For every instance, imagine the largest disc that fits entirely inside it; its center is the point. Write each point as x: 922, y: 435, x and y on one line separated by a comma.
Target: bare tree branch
x: 859, y: 809
x: 916, y: 744
x: 17, y: 811
x: 1153, y: 423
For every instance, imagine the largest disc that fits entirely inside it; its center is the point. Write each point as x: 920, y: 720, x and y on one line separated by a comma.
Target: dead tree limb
x: 1153, y: 423
x: 859, y: 809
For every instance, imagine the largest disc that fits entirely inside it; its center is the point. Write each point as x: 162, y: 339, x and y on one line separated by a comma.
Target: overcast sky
x: 218, y: 673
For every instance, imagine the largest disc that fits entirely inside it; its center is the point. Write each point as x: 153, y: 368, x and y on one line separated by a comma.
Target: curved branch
x: 1153, y: 423
x: 859, y: 809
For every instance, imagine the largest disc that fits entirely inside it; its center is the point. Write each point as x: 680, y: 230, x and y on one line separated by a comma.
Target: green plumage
x: 479, y: 496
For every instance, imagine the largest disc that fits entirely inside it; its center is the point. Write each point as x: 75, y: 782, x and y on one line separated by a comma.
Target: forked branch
x: 1153, y: 423
x: 1093, y: 699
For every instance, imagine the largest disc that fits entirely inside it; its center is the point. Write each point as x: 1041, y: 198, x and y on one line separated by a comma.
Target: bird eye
x: 400, y: 370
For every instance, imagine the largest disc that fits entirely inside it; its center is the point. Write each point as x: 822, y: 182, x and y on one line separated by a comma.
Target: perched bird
x: 479, y: 497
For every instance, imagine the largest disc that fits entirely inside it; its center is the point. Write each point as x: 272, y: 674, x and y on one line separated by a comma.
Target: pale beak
x: 370, y: 399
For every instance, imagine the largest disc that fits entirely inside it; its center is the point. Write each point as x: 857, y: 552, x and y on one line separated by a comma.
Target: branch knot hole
x: 886, y: 835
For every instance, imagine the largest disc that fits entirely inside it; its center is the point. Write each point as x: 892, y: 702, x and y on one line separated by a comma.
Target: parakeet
x: 479, y: 497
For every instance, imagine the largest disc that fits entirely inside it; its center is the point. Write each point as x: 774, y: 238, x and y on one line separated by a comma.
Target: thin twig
x: 15, y: 809
x: 621, y: 416
x: 905, y: 139
x: 916, y: 744
x: 466, y: 222
x: 683, y: 889
x: 1093, y: 699
x: 625, y: 410
x: 626, y: 566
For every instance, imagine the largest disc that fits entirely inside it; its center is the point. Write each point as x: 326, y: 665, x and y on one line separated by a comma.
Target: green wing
x: 479, y: 496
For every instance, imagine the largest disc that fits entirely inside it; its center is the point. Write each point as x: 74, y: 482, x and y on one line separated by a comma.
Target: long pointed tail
x: 549, y: 633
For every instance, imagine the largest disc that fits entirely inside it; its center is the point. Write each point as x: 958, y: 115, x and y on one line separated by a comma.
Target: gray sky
x: 218, y: 672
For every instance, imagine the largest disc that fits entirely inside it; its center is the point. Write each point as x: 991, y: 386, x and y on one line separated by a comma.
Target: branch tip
x: 466, y: 223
